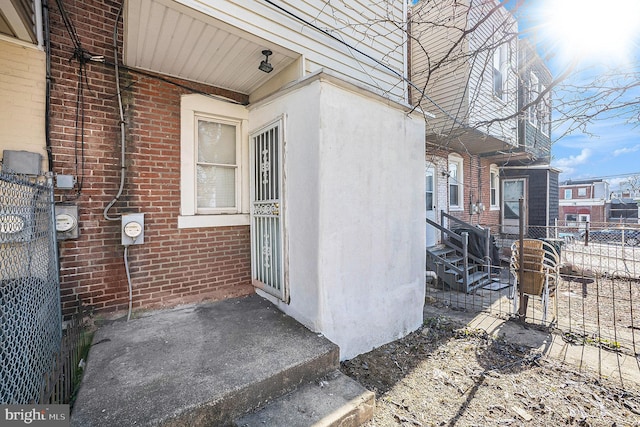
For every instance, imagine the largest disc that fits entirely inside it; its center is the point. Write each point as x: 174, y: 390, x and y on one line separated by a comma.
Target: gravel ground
x: 446, y: 374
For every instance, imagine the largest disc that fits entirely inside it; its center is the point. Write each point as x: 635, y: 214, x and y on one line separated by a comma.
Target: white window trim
x: 569, y: 192
x: 494, y: 169
x: 192, y: 106
x: 534, y: 91
x: 545, y: 117
x: 502, y: 53
x: 457, y: 159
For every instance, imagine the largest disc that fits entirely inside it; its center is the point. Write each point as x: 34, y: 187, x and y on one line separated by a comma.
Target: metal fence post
x: 522, y: 309
x: 586, y: 234
x: 465, y: 261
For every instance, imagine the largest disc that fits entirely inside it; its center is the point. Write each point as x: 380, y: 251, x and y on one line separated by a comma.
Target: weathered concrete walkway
x: 585, y: 357
x: 201, y: 364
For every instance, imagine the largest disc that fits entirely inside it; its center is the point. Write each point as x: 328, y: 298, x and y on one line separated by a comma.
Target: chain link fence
x: 30, y: 316
x: 596, y: 300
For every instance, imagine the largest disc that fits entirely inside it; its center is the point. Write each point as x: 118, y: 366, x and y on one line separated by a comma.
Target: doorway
x: 512, y: 191
x: 431, y: 203
x: 267, y: 243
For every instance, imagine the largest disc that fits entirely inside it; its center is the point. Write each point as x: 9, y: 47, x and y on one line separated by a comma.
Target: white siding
x: 372, y: 27
x: 447, y: 87
x: 462, y: 87
x: 484, y: 105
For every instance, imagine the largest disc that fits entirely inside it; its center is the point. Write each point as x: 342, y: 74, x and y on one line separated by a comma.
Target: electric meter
x: 133, y: 229
x: 65, y: 222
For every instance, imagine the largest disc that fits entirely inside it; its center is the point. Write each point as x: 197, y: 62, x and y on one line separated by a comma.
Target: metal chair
x: 541, y: 270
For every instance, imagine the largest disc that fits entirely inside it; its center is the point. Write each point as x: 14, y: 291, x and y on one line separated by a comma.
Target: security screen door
x: 267, y: 263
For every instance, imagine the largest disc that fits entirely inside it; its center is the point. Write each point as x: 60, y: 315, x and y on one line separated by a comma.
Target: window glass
x: 216, y: 166
x: 216, y: 142
x: 567, y: 194
x: 429, y: 190
x: 494, y: 181
x: 513, y: 192
x: 454, y: 190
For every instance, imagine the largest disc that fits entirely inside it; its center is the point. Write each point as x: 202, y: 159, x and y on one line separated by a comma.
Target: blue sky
x: 610, y: 146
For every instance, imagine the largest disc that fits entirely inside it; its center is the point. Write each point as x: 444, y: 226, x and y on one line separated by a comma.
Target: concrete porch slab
x: 202, y: 364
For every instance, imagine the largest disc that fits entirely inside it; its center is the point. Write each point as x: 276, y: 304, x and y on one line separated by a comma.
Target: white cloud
x: 626, y: 150
x: 568, y: 165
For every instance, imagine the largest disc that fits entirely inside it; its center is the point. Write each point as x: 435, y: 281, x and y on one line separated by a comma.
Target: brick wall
x: 174, y: 265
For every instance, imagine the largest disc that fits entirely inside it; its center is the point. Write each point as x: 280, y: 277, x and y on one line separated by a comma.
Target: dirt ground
x: 446, y: 374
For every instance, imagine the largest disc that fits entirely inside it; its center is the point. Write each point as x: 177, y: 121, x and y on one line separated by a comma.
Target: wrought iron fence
x: 30, y: 316
x: 596, y: 299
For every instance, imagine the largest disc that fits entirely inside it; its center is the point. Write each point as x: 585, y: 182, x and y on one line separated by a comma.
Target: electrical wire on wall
x: 83, y: 57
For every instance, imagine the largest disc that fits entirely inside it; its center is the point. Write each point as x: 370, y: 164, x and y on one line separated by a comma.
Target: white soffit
x: 166, y: 37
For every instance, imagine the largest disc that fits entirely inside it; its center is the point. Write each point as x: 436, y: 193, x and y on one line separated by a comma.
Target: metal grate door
x: 267, y: 264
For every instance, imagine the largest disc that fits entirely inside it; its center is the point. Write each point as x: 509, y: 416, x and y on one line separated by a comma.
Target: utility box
x: 67, y: 222
x: 21, y: 162
x: 132, y: 229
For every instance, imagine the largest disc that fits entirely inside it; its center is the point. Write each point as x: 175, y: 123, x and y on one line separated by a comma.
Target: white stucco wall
x: 354, y: 212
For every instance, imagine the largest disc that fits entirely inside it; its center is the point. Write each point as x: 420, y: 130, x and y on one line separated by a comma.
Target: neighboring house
x: 23, y: 79
x: 583, y: 201
x: 264, y: 144
x: 476, y: 80
x: 623, y: 210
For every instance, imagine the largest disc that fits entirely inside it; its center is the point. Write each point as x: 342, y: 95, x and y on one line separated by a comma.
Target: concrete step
x: 335, y: 400
x: 198, y: 365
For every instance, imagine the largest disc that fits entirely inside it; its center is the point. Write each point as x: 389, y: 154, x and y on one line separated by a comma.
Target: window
x: 567, y: 194
x: 428, y: 183
x: 214, y: 163
x: 494, y: 184
x: 500, y: 71
x: 545, y: 112
x: 582, y: 192
x: 217, y: 165
x: 571, y: 218
x: 456, y: 179
x: 534, y: 92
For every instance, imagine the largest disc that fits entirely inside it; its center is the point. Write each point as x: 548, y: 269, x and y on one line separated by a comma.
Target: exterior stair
x: 448, y: 263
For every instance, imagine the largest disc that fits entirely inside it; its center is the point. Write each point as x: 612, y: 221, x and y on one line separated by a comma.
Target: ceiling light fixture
x: 264, y: 65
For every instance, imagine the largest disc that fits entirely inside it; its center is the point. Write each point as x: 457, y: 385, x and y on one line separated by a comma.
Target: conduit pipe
x: 122, y: 124
x: 126, y: 268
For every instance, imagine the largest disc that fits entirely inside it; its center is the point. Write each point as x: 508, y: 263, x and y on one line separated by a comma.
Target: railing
x: 596, y: 295
x: 483, y: 233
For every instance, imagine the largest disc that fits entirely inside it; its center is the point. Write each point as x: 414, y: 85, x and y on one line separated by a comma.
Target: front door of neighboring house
x: 430, y: 193
x: 512, y: 191
x: 267, y: 242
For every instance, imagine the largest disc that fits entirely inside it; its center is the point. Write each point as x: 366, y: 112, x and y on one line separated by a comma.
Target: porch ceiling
x: 472, y: 141
x: 167, y: 37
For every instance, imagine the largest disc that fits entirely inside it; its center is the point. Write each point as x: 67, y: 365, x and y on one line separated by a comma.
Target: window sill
x: 456, y: 209
x: 196, y: 221
x: 494, y: 208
